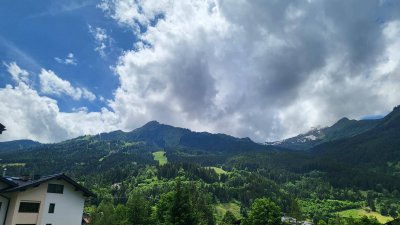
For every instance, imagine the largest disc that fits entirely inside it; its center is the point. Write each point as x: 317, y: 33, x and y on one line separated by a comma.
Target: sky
x: 264, y: 69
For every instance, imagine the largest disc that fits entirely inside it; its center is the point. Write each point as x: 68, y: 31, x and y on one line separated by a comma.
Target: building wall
x: 68, y: 206
x: 34, y: 194
x: 11, y: 208
x: 4, y: 204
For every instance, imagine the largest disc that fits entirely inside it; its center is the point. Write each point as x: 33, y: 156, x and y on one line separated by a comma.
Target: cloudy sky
x: 264, y: 69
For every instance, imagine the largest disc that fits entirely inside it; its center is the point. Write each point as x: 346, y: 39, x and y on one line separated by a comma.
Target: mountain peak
x: 152, y: 123
x: 396, y: 109
x: 344, y: 119
x: 392, y: 119
x: 344, y: 122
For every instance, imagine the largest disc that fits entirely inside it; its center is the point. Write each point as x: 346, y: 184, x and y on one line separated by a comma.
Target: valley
x: 336, y: 181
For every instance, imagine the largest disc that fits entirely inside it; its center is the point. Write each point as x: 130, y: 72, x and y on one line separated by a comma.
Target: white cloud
x: 103, y: 41
x: 17, y: 74
x: 266, y: 69
x: 69, y: 60
x: 132, y: 13
x: 50, y: 83
x: 27, y: 115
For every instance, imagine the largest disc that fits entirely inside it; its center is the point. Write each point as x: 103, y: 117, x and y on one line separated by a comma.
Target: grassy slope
x: 221, y: 209
x: 357, y: 213
x: 217, y: 170
x: 160, y: 157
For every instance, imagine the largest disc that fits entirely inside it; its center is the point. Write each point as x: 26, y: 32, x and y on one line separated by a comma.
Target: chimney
x: 24, y: 177
x: 4, y: 171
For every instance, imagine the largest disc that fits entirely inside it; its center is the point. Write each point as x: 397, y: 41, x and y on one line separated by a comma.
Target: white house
x: 50, y: 200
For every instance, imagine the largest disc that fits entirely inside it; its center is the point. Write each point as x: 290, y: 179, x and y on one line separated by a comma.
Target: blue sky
x: 261, y: 69
x: 34, y: 33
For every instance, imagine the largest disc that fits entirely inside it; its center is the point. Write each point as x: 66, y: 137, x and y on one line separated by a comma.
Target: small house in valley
x: 49, y: 200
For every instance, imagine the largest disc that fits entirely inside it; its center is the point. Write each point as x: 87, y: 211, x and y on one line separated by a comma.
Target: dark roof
x: 8, y: 182
x: 23, y: 185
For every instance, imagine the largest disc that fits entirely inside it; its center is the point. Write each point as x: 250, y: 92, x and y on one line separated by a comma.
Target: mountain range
x: 342, y: 129
x: 18, y: 144
x: 351, y: 142
x: 377, y: 145
x: 165, y: 136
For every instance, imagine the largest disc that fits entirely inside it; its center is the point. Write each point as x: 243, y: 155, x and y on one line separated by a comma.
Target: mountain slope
x: 18, y: 144
x: 109, y: 151
x: 344, y: 128
x: 165, y: 136
x: 378, y: 145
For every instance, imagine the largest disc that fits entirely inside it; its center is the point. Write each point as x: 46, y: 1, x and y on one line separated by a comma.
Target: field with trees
x: 159, y: 174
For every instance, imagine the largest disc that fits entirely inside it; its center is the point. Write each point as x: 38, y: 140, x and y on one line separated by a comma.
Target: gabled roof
x: 8, y: 182
x: 21, y: 186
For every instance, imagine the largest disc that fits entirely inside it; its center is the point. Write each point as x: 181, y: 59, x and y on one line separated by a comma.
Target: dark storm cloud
x: 357, y: 26
x: 191, y: 83
x: 267, y: 69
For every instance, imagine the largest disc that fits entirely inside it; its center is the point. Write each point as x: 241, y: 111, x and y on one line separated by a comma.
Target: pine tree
x: 164, y: 209
x: 139, y: 210
x: 229, y: 219
x: 264, y: 212
x: 182, y: 208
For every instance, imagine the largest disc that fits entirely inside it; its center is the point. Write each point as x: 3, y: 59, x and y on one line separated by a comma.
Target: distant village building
x: 86, y: 219
x: 49, y: 200
x: 294, y: 221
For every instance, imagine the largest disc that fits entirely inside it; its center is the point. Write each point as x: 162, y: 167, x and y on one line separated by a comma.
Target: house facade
x: 50, y: 200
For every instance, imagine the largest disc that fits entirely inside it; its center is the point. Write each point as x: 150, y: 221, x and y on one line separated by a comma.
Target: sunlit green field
x: 221, y: 209
x: 217, y: 170
x: 160, y: 157
x: 357, y: 213
x: 13, y: 164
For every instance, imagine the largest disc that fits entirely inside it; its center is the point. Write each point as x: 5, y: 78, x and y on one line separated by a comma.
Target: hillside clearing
x: 217, y: 170
x: 161, y: 157
x: 358, y: 213
x: 13, y: 164
x: 221, y: 209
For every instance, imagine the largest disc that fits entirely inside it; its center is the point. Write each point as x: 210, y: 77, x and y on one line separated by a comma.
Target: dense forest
x: 159, y: 174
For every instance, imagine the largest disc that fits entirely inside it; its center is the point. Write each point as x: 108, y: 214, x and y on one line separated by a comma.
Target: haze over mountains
x: 344, y: 128
x: 165, y: 136
x: 372, y: 140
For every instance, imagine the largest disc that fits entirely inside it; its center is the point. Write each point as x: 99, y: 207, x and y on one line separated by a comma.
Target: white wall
x: 68, y: 206
x: 4, y: 204
x: 3, y: 210
x: 34, y: 194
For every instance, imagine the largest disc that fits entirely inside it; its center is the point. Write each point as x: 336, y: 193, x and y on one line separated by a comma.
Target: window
x: 48, y: 223
x: 51, y: 207
x: 0, y: 205
x: 55, y: 188
x: 29, y: 207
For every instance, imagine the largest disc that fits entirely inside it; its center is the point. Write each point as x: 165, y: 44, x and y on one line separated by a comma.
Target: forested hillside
x: 159, y: 174
x: 344, y: 128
